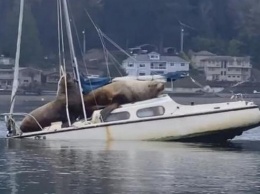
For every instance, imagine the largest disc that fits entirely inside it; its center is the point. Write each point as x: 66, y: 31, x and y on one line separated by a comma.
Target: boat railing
x: 8, y: 118
x: 238, y: 96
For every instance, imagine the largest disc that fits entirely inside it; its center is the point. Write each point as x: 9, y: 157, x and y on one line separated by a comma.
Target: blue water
x: 40, y: 166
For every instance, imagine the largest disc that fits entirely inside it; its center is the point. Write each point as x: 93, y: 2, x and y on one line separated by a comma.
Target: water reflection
x: 31, y: 166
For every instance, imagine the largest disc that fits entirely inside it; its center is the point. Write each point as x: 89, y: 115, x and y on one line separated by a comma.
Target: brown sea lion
x: 56, y: 109
x: 121, y: 92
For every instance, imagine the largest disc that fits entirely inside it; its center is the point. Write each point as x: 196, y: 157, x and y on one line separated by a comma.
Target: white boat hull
x: 211, y: 126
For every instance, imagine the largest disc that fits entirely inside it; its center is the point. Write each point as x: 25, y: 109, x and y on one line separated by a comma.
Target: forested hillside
x: 230, y: 27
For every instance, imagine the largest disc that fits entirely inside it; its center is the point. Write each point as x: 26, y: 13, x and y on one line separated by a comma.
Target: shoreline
x: 24, y: 103
x: 26, y: 98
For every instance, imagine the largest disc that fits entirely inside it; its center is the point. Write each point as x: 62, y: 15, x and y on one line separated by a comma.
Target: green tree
x: 30, y: 44
x: 221, y: 26
x: 234, y: 47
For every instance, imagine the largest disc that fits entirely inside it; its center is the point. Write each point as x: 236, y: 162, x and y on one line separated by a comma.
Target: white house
x: 227, y: 68
x: 154, y: 64
x: 6, y: 61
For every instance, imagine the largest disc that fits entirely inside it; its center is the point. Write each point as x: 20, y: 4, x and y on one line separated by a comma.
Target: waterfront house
x: 196, y: 84
x: 197, y: 58
x: 227, y: 68
x: 27, y: 75
x: 154, y: 64
x: 52, y: 77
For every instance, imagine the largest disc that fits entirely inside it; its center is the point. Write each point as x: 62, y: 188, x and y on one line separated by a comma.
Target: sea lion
x: 121, y: 92
x: 56, y: 109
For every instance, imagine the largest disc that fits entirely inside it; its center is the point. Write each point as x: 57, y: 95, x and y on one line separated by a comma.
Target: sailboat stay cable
x: 78, y: 39
x: 116, y: 61
x: 59, y: 39
x: 82, y: 53
x: 62, y: 61
x: 62, y: 39
x: 102, y: 42
x: 105, y: 52
x: 17, y: 57
x: 116, y: 45
x: 74, y: 59
x: 101, y: 37
x: 17, y: 60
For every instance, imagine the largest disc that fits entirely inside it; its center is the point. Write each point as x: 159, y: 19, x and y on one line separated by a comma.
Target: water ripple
x: 30, y: 166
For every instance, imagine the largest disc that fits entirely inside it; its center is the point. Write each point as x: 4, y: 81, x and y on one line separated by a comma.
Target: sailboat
x: 157, y: 119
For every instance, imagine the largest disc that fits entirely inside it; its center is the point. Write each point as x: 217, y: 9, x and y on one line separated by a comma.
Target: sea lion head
x: 155, y: 88
x: 72, y: 87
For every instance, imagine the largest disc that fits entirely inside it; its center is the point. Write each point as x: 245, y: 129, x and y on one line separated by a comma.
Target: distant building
x: 227, y: 68
x: 169, y: 50
x: 198, y: 56
x: 6, y: 78
x: 143, y: 49
x: 52, y: 77
x: 27, y: 75
x: 6, y: 62
x: 154, y: 64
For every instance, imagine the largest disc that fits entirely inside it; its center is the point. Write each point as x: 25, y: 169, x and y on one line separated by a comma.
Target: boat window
x: 118, y: 116
x: 151, y: 112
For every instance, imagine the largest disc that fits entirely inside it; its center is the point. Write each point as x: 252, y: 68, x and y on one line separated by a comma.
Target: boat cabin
x: 140, y: 110
x: 163, y: 106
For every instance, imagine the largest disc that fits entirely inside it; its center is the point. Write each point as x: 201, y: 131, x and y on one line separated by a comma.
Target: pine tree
x: 30, y: 44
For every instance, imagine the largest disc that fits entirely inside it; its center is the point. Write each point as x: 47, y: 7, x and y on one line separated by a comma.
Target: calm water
x: 33, y: 166
x: 38, y: 167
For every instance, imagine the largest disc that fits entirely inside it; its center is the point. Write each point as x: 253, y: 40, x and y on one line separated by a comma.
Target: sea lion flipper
x: 106, y: 111
x: 117, y: 100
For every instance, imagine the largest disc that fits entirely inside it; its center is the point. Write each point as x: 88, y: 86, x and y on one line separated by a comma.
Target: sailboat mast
x: 73, y: 55
x: 17, y: 58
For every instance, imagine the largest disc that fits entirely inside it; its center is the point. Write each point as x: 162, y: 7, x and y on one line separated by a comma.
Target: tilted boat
x: 157, y: 119
x: 160, y: 119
